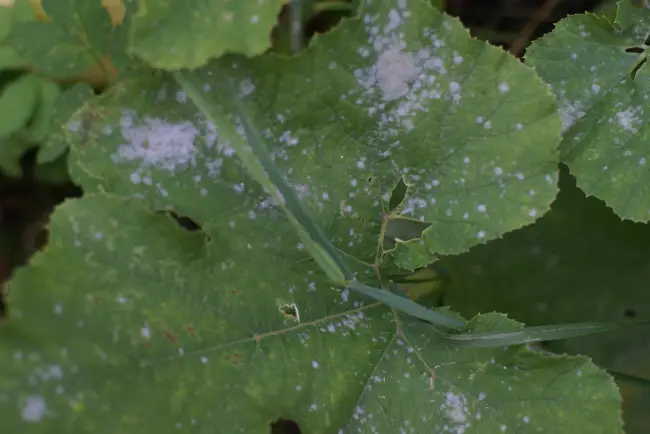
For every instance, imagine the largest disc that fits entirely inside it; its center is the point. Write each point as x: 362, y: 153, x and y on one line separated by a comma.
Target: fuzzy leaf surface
x: 596, y: 70
x: 128, y: 323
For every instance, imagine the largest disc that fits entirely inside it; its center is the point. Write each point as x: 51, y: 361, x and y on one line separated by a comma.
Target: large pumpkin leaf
x: 596, y: 69
x: 579, y: 262
x: 402, y: 92
x: 127, y: 323
x: 160, y: 36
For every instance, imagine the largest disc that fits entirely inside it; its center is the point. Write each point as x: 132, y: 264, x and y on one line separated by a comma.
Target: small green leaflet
x: 65, y: 106
x: 40, y: 124
x: 598, y: 73
x: 77, y: 37
x: 160, y: 30
x: 18, y: 101
x: 9, y: 59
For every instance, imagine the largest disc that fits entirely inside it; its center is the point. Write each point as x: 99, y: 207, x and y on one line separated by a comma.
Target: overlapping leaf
x: 19, y: 99
x: 76, y: 38
x: 578, y: 263
x: 129, y: 324
x: 596, y: 69
x: 19, y: 12
x: 160, y: 30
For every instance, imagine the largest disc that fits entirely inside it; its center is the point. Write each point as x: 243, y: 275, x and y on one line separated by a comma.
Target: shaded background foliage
x: 579, y: 262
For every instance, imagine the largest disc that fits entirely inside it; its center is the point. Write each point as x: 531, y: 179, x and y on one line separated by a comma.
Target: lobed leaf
x: 598, y: 73
x: 578, y: 263
x: 138, y: 326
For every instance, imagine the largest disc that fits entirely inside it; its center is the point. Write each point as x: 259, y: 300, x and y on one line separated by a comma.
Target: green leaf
x: 596, y: 70
x: 76, y: 38
x: 53, y: 172
x: 10, y: 59
x: 23, y: 11
x: 533, y: 334
x: 65, y: 106
x: 578, y: 263
x: 41, y: 122
x: 409, y: 307
x: 87, y: 350
x: 11, y: 150
x: 345, y: 121
x: 160, y: 30
x: 5, y: 21
x: 119, y: 44
x: 18, y: 101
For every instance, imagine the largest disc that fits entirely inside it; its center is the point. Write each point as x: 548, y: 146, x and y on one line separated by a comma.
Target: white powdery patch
x: 395, y: 71
x: 159, y: 143
x: 455, y: 409
x: 34, y: 409
x: 413, y: 79
x: 628, y: 119
x: 570, y: 112
x: 246, y: 87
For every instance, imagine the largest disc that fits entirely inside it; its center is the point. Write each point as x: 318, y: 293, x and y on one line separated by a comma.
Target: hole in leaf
x: 185, y: 222
x: 629, y: 313
x: 289, y: 310
x: 636, y: 50
x: 398, y: 195
x: 403, y: 229
x: 647, y: 40
x: 285, y: 426
x: 637, y: 67
x: 327, y: 16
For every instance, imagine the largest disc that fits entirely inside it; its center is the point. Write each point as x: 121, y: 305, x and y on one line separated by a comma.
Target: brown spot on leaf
x: 170, y: 337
